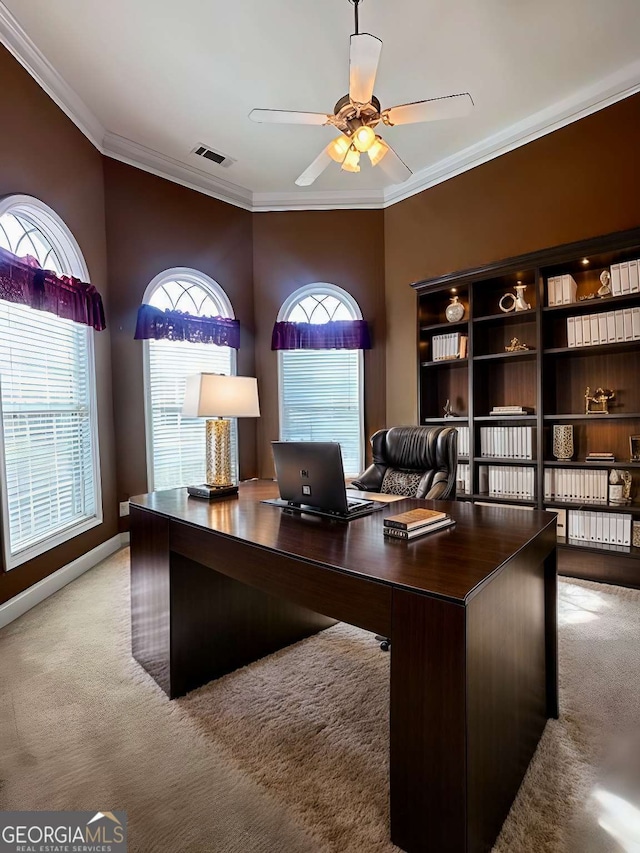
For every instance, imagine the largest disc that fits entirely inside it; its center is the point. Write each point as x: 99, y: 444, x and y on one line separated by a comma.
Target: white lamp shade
x: 210, y: 395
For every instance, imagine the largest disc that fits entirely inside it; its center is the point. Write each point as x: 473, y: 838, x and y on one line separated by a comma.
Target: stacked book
x: 501, y: 481
x: 507, y: 442
x: 415, y: 522
x: 600, y: 457
x: 502, y: 411
x: 562, y: 290
x: 611, y: 528
x: 451, y: 345
x: 576, y: 484
x: 607, y: 327
x: 463, y: 440
x: 625, y: 278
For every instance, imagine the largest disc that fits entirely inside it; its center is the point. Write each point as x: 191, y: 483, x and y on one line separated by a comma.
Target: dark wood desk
x: 471, y: 613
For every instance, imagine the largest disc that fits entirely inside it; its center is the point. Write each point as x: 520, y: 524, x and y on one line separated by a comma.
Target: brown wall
x: 153, y: 225
x: 43, y: 154
x: 343, y: 247
x: 581, y: 181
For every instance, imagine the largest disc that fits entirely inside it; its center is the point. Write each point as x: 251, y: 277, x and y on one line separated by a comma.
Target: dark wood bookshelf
x: 550, y: 377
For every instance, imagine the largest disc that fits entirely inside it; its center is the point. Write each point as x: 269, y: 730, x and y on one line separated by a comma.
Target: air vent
x: 214, y: 156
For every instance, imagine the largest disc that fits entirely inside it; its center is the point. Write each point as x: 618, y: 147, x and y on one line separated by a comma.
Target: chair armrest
x: 370, y: 480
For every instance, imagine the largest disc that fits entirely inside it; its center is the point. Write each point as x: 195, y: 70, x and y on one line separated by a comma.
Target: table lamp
x: 218, y: 398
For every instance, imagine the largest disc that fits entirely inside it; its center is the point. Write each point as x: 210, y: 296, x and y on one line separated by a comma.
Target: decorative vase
x: 454, y: 311
x: 563, y: 442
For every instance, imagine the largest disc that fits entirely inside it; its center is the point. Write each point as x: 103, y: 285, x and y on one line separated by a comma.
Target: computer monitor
x: 310, y: 477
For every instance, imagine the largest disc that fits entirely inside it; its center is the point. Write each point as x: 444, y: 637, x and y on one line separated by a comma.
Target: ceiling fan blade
x: 288, y: 117
x: 316, y: 168
x: 393, y: 166
x: 451, y: 106
x: 364, y: 55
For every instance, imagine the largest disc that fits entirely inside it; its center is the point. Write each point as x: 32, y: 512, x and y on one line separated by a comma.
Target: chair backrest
x: 414, y: 461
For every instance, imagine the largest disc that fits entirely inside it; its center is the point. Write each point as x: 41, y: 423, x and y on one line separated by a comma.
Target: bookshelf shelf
x: 505, y: 419
x: 499, y: 460
x: 445, y: 362
x: 595, y: 506
x: 493, y: 356
x: 595, y: 418
x: 549, y: 379
x: 503, y: 499
x: 463, y: 419
x: 593, y: 349
x: 507, y: 316
x: 593, y: 305
x: 584, y: 464
x: 600, y: 547
x: 462, y: 326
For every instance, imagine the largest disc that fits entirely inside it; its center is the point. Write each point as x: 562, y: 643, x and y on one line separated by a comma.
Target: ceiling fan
x: 358, y: 113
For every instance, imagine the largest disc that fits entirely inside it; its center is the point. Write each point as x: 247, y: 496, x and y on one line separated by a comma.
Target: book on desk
x: 415, y: 522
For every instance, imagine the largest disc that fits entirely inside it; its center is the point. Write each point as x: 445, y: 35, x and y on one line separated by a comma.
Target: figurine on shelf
x: 448, y: 411
x: 605, y: 284
x: 619, y: 487
x: 514, y: 301
x: 598, y: 404
x: 516, y: 346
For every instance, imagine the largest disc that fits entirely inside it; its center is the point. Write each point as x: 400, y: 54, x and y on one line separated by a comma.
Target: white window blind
x: 178, y: 444
x: 321, y: 391
x: 47, y: 425
x: 320, y: 400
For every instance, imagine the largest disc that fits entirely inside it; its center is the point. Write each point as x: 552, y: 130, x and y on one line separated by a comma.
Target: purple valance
x: 337, y: 334
x: 24, y: 282
x: 179, y: 326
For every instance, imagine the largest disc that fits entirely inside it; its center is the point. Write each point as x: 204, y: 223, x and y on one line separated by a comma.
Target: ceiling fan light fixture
x: 338, y: 149
x: 364, y: 138
x: 352, y: 160
x: 378, y: 150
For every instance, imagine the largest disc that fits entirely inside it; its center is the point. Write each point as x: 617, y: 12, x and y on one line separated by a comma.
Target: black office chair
x: 413, y: 461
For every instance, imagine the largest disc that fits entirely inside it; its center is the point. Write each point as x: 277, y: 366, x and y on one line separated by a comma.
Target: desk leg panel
x: 506, y: 690
x: 551, y: 627
x: 219, y: 624
x: 428, y: 740
x: 150, y: 595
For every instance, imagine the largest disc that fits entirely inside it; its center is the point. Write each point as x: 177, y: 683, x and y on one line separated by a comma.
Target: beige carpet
x: 290, y: 754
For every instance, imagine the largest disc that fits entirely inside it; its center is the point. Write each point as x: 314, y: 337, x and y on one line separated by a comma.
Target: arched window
x: 321, y: 391
x: 176, y: 446
x: 49, y: 442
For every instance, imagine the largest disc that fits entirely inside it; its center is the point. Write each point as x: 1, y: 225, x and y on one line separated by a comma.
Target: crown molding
x: 35, y: 62
x: 319, y: 200
x: 127, y: 151
x: 584, y: 102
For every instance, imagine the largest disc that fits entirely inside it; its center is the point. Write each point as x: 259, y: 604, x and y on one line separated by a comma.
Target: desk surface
x: 451, y: 564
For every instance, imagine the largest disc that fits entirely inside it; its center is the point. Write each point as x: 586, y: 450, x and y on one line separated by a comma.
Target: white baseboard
x: 24, y: 601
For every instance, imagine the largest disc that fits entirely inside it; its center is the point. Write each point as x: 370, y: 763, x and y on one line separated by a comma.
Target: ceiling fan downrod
x: 355, y: 12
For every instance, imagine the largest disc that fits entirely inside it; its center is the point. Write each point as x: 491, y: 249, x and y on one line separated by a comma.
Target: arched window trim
x: 70, y: 255
x: 54, y: 227
x: 215, y: 290
x: 319, y: 287
x: 288, y: 305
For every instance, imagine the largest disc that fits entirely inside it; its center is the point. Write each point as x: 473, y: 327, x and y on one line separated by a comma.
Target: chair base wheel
x: 385, y: 642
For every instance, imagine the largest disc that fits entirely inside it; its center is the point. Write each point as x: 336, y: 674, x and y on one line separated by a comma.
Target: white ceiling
x: 157, y: 77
